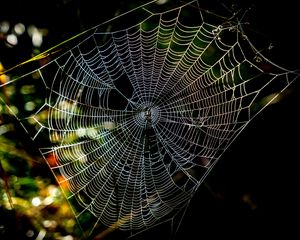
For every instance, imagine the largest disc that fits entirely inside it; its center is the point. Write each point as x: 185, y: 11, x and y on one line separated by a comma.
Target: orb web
x: 135, y: 118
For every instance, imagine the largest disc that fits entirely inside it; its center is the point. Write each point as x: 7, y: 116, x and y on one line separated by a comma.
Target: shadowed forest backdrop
x: 252, y: 191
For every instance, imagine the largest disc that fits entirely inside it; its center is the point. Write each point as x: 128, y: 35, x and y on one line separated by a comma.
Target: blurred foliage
x: 31, y: 202
x: 32, y: 205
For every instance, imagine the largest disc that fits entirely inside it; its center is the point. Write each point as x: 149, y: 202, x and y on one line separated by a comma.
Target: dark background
x: 253, y: 191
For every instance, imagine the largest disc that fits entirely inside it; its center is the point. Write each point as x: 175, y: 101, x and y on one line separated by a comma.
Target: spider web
x: 137, y: 112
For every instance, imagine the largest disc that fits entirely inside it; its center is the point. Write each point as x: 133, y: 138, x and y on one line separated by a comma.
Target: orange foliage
x: 52, y: 160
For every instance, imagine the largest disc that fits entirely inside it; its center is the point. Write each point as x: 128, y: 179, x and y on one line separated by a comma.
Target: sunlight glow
x: 36, y: 201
